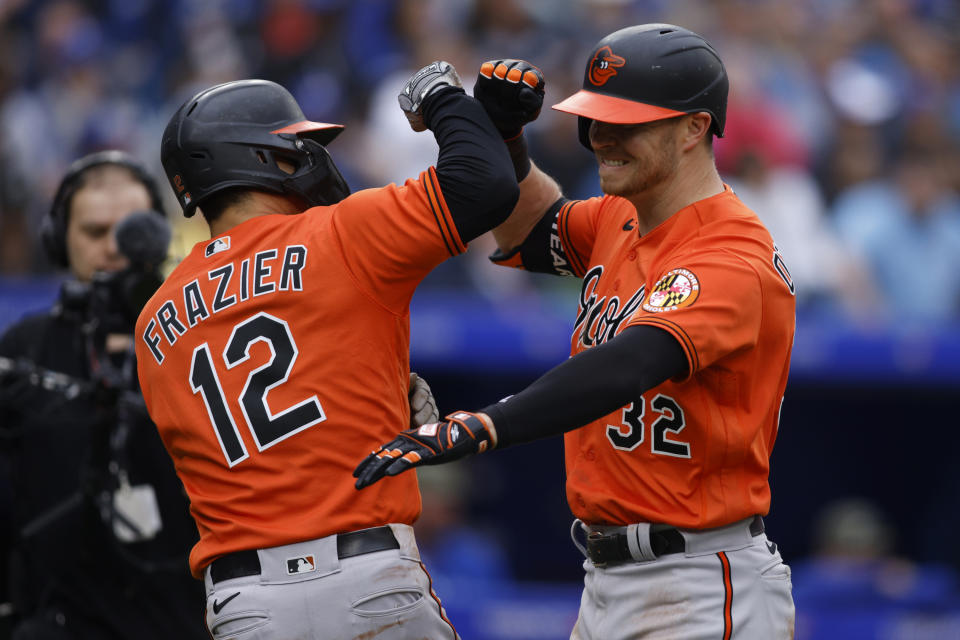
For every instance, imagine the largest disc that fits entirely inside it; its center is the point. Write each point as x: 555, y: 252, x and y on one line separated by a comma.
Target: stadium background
x: 832, y: 103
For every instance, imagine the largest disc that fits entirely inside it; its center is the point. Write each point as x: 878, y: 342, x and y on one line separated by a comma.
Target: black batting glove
x: 511, y: 92
x: 462, y: 434
x: 425, y: 82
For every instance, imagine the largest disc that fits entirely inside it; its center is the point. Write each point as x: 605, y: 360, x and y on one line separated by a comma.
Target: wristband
x: 500, y: 436
x: 517, y: 146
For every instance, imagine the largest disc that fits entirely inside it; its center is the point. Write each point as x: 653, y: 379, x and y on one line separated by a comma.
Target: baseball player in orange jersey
x: 276, y: 354
x: 679, y: 355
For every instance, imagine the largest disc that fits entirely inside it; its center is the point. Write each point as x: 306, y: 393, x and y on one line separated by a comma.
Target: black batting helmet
x: 53, y: 231
x: 650, y: 72
x: 232, y: 135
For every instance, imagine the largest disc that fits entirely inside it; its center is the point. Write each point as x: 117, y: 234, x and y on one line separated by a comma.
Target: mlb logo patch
x: 301, y: 564
x: 218, y: 245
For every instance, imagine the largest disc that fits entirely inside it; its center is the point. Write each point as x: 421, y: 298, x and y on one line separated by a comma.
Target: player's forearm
x: 537, y: 192
x: 474, y: 170
x: 588, y: 386
x: 584, y: 388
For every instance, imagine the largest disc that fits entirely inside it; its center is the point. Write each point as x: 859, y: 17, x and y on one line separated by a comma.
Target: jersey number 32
x: 629, y: 435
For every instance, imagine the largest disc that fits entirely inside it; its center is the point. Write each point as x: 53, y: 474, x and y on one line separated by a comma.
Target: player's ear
x: 694, y: 127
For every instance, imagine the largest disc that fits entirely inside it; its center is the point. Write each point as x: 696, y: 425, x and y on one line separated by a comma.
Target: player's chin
x: 616, y: 186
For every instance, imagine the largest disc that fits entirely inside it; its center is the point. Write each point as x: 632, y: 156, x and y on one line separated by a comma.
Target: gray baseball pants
x: 307, y: 591
x: 728, y: 583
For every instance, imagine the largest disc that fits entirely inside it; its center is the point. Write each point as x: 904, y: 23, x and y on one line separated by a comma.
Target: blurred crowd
x: 843, y: 127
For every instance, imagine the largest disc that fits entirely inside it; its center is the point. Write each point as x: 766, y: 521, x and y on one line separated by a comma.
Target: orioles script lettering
x: 600, y: 319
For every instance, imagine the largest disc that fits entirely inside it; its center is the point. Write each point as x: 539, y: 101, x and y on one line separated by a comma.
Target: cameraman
x: 96, y: 539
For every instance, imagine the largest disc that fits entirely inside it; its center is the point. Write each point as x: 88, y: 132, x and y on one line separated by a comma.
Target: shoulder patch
x: 218, y: 245
x: 678, y: 288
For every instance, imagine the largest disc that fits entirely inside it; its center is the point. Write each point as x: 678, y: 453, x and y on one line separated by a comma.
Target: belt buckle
x: 594, y: 550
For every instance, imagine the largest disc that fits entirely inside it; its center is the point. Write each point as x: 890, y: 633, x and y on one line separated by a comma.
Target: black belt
x: 605, y: 549
x: 354, y: 543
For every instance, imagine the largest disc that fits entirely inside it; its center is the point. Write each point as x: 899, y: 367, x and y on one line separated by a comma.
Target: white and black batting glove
x: 462, y: 434
x: 511, y: 92
x: 423, y: 83
x: 423, y: 407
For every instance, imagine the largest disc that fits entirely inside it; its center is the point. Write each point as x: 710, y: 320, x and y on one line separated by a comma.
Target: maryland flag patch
x: 678, y: 288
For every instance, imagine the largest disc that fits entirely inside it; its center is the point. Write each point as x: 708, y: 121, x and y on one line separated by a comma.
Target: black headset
x: 53, y: 231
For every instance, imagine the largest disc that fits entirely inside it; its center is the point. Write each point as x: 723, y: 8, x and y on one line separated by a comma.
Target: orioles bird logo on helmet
x: 604, y: 66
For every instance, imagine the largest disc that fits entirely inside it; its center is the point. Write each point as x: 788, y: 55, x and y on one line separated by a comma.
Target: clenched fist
x: 511, y: 92
x: 423, y: 83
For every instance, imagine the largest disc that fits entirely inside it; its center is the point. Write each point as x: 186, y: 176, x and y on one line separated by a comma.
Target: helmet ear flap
x: 583, y: 131
x: 320, y: 182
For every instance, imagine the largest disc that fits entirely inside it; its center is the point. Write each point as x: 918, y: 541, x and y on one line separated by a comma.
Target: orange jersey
x: 276, y: 356
x: 693, y: 453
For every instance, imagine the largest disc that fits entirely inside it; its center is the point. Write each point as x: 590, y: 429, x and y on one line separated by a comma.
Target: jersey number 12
x: 267, y: 428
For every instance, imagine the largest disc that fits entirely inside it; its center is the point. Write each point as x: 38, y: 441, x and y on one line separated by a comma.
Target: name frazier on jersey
x: 257, y: 277
x: 598, y: 319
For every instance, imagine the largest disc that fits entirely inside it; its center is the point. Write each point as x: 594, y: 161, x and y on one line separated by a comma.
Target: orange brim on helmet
x: 606, y: 108
x: 322, y: 132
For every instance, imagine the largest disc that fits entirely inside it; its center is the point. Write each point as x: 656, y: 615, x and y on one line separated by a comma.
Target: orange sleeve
x: 710, y: 302
x: 392, y: 237
x: 577, y: 231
